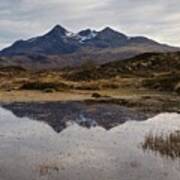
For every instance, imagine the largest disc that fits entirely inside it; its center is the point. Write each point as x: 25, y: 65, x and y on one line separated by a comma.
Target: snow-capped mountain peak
x: 70, y: 34
x: 86, y: 35
x: 60, y: 41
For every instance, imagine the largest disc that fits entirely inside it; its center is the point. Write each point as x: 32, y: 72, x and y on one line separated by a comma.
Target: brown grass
x: 166, y: 145
x: 46, y: 169
x: 44, y: 86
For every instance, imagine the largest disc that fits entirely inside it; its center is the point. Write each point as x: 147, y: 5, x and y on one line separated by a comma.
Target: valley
x: 147, y: 82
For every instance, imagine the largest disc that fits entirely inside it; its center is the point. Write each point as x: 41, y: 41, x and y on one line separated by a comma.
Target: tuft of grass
x: 90, y: 87
x: 44, y: 170
x: 48, y: 90
x: 44, y: 86
x: 96, y: 95
x: 166, y: 145
x: 38, y: 86
x: 167, y: 82
x: 177, y: 88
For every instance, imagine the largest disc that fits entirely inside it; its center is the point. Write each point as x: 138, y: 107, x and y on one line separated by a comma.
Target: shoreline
x: 150, y: 102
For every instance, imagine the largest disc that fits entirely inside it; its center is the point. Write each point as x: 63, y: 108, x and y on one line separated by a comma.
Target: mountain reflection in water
x: 32, y: 150
x: 57, y: 114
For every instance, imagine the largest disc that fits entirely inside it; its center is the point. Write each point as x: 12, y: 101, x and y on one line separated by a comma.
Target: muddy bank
x: 139, y: 100
x: 147, y: 104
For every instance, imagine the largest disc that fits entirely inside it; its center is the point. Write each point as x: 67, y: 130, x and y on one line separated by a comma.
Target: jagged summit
x: 60, y: 41
x: 108, y: 29
x: 58, y: 30
x: 85, y: 32
x: 86, y: 35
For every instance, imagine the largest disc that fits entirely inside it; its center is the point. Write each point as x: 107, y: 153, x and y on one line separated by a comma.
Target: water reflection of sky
x: 31, y: 149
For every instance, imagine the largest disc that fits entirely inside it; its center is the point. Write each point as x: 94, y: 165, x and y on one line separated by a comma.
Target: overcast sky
x: 157, y: 19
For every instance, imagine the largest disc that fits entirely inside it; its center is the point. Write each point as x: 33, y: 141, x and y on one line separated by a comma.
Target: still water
x: 31, y: 148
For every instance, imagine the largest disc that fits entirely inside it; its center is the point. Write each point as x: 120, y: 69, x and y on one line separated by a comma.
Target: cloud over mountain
x: 24, y: 18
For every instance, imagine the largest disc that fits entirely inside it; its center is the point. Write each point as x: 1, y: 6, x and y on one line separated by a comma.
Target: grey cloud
x: 157, y: 19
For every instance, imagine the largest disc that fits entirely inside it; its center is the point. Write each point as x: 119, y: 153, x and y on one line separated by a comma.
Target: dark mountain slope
x: 54, y: 42
x: 145, y: 65
x: 60, y: 48
x: 60, y: 41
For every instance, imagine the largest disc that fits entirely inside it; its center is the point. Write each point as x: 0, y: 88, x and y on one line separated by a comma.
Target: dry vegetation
x: 151, y: 71
x: 166, y: 145
x: 150, y: 82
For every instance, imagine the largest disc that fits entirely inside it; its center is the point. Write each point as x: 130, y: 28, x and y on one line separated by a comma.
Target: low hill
x: 160, y: 71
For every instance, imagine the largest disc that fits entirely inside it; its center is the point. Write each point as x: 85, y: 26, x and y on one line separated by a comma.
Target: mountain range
x: 60, y: 48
